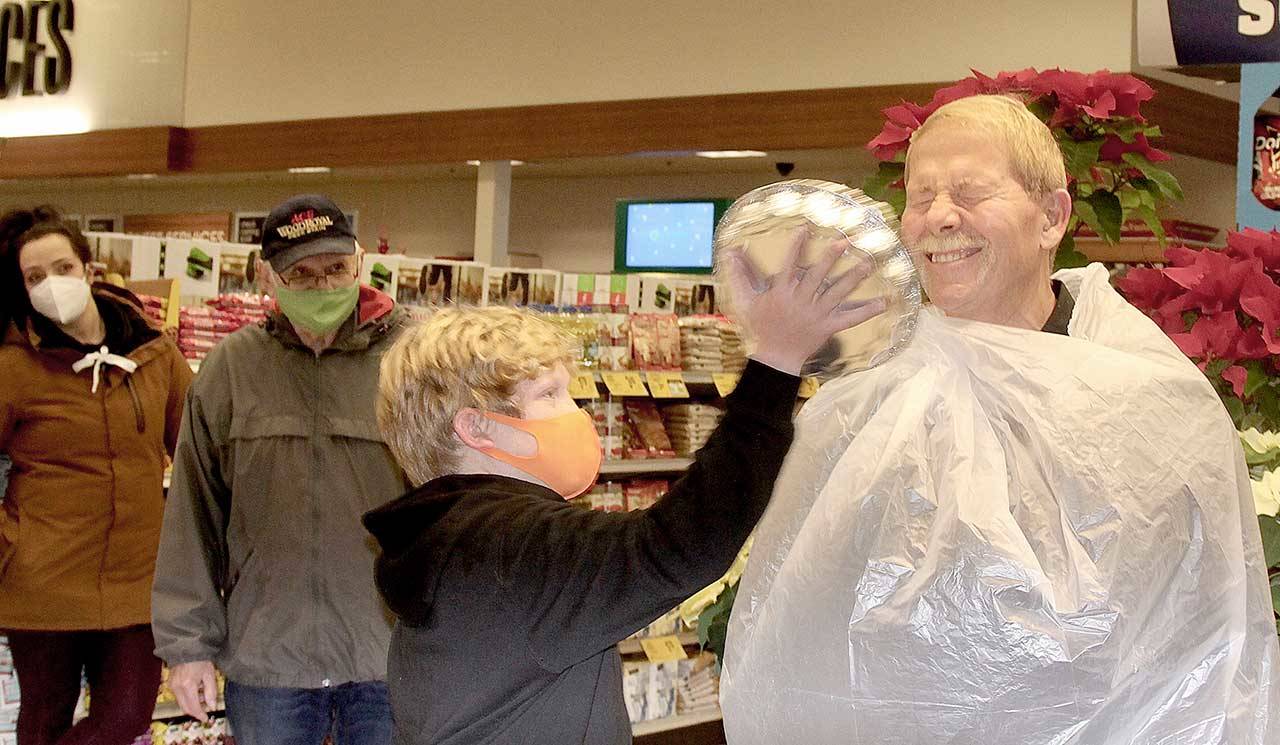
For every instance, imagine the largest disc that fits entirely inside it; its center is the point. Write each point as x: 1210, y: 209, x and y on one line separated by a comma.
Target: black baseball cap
x: 303, y: 226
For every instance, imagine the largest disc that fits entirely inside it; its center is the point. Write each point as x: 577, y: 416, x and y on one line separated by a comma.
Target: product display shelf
x: 690, y: 378
x: 632, y: 646
x: 171, y: 710
x: 642, y: 466
x: 678, y: 722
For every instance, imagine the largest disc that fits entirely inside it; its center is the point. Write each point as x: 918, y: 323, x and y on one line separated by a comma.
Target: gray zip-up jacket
x: 264, y: 567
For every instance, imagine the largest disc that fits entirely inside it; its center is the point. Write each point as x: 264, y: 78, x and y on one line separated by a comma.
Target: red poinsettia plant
x: 1222, y: 309
x: 1096, y: 120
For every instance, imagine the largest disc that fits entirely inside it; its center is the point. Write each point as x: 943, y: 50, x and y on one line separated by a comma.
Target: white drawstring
x: 101, y: 357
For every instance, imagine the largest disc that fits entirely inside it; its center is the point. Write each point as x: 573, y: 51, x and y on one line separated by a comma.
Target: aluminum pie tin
x: 764, y: 223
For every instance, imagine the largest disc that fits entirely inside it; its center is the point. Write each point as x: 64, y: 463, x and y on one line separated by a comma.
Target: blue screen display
x: 670, y: 235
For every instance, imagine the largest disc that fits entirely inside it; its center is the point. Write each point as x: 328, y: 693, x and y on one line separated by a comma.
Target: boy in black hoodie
x: 510, y: 600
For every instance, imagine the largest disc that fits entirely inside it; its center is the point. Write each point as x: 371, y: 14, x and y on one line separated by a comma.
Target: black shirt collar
x: 1063, y: 306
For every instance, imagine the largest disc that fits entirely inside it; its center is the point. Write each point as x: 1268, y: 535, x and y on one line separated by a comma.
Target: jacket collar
x: 25, y: 334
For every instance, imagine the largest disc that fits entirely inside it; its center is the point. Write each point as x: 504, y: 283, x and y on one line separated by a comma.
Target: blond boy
x: 510, y: 600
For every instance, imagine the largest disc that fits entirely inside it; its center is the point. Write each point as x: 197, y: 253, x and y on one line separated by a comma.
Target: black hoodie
x: 511, y: 601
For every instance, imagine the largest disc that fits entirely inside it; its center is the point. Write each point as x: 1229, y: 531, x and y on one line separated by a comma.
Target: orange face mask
x: 568, y: 454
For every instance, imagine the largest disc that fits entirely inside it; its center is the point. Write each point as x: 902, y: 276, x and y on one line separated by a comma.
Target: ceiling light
x: 141, y: 176
x: 514, y: 162
x: 310, y: 169
x: 730, y: 154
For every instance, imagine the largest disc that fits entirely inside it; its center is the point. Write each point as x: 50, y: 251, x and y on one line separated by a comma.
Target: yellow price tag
x: 583, y: 385
x: 808, y: 387
x: 667, y: 385
x: 663, y: 649
x: 624, y: 383
x: 725, y: 382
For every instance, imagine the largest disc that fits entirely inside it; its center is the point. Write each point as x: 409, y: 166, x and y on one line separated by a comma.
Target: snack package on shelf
x: 635, y: 689
x: 608, y: 497
x: 664, y: 689
x: 733, y: 349
x: 700, y: 345
x: 698, y: 689
x: 610, y: 419
x: 154, y: 308
x: 660, y: 696
x: 641, y: 494
x: 651, y: 434
x: 583, y: 328
x: 200, y: 328
x: 9, y: 696
x: 690, y: 425
x: 614, y: 340
x: 655, y: 341
x: 213, y: 732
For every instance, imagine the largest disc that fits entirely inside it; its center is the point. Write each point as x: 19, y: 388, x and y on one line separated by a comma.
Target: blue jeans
x: 354, y: 713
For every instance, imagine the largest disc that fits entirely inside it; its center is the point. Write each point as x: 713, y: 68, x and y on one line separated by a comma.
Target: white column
x: 493, y: 212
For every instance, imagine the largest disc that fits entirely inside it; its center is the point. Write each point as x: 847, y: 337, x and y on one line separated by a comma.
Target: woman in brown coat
x: 90, y: 402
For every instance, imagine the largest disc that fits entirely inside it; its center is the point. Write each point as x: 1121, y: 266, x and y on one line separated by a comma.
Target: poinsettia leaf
x: 897, y: 199
x: 1080, y: 156
x: 1153, y: 131
x: 1130, y: 199
x: 1107, y: 213
x: 713, y: 622
x: 1257, y: 377
x: 1148, y: 191
x: 1235, y: 408
x: 1270, y: 539
x: 1084, y: 210
x: 1148, y: 215
x: 1169, y: 185
x: 1041, y: 108
x: 1126, y: 131
x: 1069, y: 258
x: 879, y: 182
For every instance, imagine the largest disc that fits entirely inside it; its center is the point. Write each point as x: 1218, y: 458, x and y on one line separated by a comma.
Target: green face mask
x: 317, y: 311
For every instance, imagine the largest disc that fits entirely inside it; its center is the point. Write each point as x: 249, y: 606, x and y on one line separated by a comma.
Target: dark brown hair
x: 18, y: 228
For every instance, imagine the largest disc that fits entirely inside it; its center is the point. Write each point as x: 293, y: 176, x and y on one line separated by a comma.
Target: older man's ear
x: 1057, y: 211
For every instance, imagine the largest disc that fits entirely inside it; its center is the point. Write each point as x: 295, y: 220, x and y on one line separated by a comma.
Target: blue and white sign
x: 1207, y: 32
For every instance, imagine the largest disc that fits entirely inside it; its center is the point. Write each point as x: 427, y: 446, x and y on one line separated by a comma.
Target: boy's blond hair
x: 1034, y: 156
x: 454, y: 359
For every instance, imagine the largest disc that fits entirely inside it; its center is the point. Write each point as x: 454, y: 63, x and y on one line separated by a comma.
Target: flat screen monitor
x: 666, y: 235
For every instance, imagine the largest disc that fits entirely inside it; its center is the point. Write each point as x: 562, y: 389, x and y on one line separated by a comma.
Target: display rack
x: 679, y: 721
x: 1129, y: 250
x: 632, y: 646
x: 171, y: 710
x: 640, y: 466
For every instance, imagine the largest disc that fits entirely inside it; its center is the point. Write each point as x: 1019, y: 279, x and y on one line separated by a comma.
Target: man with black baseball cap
x: 264, y: 570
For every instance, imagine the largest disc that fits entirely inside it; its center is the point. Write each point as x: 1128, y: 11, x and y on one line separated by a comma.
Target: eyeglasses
x: 336, y: 275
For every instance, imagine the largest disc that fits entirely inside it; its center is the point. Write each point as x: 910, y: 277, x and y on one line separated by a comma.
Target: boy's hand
x: 794, y: 312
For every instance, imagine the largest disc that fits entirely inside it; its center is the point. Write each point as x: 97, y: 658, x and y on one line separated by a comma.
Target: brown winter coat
x: 80, y: 522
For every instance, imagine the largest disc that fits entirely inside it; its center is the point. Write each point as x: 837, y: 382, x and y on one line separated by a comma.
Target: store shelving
x: 171, y: 710
x: 680, y: 721
x: 632, y: 646
x: 640, y: 466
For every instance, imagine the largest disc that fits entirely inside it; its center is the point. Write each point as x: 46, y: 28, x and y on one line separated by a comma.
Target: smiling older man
x: 1034, y: 526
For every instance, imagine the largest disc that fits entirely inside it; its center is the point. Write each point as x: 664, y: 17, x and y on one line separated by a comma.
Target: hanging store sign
x: 1207, y: 32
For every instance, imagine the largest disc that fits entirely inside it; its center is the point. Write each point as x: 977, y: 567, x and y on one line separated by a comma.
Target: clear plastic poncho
x: 1004, y: 537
